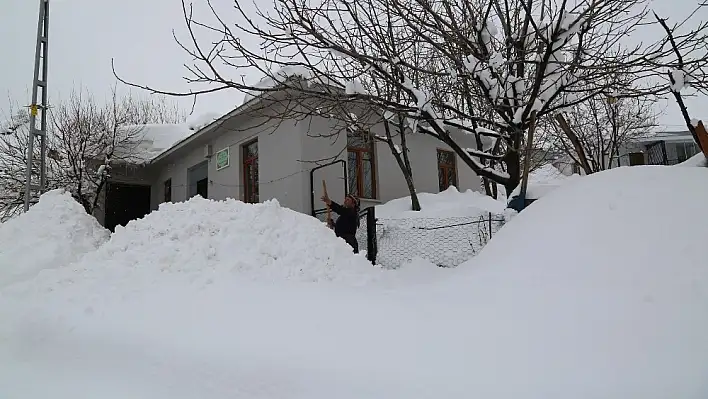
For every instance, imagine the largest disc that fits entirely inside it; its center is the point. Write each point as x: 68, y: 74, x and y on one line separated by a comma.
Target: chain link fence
x: 446, y: 242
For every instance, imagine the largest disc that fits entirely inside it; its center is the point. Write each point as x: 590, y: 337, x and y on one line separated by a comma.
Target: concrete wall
x: 289, y: 150
x: 280, y: 172
x: 391, y: 184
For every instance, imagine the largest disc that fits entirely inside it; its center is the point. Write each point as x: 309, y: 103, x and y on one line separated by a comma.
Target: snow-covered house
x: 254, y: 153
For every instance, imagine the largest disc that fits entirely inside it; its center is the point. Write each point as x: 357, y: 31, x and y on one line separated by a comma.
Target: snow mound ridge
x: 204, y: 238
x: 53, y: 233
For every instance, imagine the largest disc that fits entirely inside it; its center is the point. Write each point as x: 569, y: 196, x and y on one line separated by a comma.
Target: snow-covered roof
x: 678, y: 136
x: 152, y: 140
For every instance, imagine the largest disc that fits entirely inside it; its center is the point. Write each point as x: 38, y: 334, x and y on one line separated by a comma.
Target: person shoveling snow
x: 348, y: 221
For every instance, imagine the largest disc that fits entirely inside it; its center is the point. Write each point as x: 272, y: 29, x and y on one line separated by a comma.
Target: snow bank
x: 54, y: 232
x: 449, y: 203
x: 544, y: 180
x: 696, y: 160
x: 594, y: 292
x: 605, y: 293
x: 203, y: 241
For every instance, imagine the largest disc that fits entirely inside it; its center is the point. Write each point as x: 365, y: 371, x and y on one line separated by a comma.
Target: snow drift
x: 54, y: 232
x: 598, y: 290
x: 605, y: 293
x: 202, y: 241
x: 544, y: 180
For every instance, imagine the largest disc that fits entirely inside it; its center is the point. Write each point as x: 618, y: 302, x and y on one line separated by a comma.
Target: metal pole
x: 40, y: 59
x: 45, y: 106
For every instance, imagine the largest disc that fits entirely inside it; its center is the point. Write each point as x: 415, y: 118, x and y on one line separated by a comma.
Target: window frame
x: 360, y: 151
x: 246, y: 162
x: 446, y: 167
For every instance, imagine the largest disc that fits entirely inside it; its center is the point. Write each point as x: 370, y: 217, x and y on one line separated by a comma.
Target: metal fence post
x: 371, y: 244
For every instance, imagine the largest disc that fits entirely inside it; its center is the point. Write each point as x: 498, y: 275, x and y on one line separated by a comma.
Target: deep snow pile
x: 596, y: 291
x: 544, y: 180
x: 449, y: 203
x: 53, y: 233
x: 605, y: 293
x: 203, y: 240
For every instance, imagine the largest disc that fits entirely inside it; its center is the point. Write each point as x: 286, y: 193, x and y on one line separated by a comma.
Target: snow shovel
x: 329, y: 210
x: 702, y: 137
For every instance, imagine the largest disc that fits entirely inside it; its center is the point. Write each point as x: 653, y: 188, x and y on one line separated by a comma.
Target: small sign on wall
x: 222, y: 159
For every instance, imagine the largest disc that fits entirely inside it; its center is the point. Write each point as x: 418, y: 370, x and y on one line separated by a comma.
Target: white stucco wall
x: 281, y: 174
x: 289, y: 150
x: 389, y: 178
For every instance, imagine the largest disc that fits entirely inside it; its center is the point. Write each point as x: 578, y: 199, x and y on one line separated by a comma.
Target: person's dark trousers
x: 351, y: 240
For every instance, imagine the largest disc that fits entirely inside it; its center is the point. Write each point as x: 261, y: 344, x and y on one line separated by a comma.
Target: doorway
x: 125, y: 202
x: 198, y: 179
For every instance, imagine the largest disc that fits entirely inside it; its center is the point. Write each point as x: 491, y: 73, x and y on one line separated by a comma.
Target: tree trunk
x: 403, y: 163
x: 513, y: 168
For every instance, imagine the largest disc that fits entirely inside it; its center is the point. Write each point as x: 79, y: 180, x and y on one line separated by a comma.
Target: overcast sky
x: 86, y: 34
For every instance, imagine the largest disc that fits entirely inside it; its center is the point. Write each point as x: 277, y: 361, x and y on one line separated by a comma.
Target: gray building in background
x: 660, y: 148
x: 262, y: 151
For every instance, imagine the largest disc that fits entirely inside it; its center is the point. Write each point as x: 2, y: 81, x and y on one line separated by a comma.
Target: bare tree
x: 517, y: 58
x: 689, y: 69
x: 92, y: 137
x: 593, y: 134
x: 86, y: 139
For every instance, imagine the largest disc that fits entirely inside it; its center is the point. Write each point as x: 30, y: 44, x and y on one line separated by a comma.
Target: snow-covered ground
x: 544, y: 180
x: 598, y: 290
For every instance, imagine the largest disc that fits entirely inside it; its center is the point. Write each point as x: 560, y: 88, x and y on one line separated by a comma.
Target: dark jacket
x: 348, y: 221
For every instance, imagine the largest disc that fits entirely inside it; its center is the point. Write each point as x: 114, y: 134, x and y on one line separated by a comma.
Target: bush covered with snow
x: 54, y: 232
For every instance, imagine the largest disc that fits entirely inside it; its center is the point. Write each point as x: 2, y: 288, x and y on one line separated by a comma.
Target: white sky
x: 86, y: 34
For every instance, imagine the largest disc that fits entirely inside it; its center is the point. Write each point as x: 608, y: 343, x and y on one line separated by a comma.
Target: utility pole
x: 40, y: 81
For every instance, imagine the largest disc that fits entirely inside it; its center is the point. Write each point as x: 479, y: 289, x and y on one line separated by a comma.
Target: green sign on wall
x: 222, y: 159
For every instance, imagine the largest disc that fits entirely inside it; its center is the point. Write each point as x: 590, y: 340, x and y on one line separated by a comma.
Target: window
x: 360, y: 162
x: 250, y: 172
x: 447, y: 170
x: 680, y: 152
x: 685, y: 151
x: 168, y: 190
x: 576, y: 168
